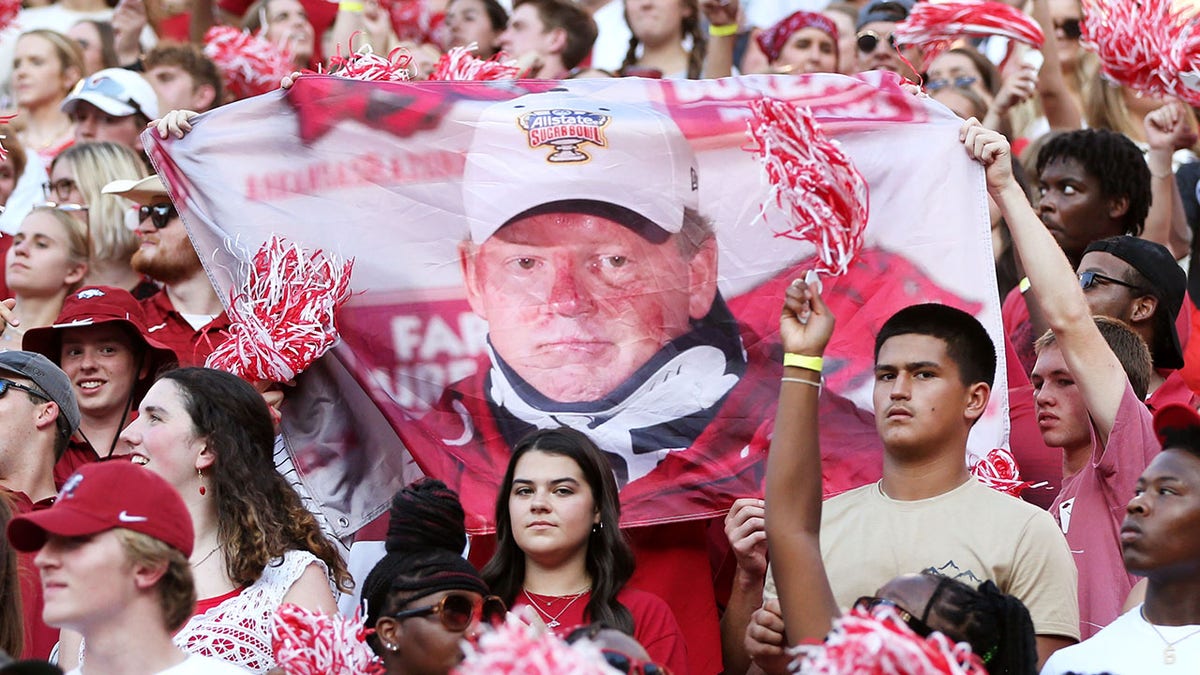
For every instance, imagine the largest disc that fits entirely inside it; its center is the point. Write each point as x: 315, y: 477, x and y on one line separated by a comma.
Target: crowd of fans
x: 1093, y: 202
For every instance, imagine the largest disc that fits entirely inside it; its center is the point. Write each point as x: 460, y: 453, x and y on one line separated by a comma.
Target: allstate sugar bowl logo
x: 565, y: 131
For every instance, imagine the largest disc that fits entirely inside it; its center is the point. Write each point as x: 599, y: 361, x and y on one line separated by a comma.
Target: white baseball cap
x: 546, y: 148
x: 116, y: 91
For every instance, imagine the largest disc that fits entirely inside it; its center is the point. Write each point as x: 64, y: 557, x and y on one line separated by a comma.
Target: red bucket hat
x: 107, y: 495
x: 92, y: 306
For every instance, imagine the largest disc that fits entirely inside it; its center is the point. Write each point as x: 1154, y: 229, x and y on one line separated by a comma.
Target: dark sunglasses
x: 868, y: 40
x: 1072, y: 28
x: 160, y: 215
x: 962, y: 81
x: 6, y: 384
x: 1092, y: 279
x: 59, y: 189
x: 630, y: 665
x: 457, y: 610
x: 918, y: 626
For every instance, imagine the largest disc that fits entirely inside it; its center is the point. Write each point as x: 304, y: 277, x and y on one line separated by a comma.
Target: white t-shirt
x: 1130, y: 646
x: 194, y: 665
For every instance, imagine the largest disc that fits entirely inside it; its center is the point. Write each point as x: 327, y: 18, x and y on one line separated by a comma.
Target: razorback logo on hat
x: 89, y: 293
x: 68, y: 488
x: 565, y: 130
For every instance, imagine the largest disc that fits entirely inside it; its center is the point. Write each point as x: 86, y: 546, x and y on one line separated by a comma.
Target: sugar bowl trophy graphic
x: 565, y: 130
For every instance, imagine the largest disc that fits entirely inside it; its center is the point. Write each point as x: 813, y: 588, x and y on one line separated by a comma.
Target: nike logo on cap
x: 124, y: 517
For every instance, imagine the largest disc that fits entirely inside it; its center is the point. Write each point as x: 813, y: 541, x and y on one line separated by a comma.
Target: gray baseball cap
x: 50, y: 379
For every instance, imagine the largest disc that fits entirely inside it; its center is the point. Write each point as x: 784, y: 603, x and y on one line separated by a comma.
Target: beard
x: 167, y: 266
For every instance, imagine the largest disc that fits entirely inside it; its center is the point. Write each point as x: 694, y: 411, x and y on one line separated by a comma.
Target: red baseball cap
x: 1174, y: 416
x: 103, y: 496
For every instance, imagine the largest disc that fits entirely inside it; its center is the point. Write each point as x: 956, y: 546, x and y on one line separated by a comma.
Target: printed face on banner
x: 576, y: 303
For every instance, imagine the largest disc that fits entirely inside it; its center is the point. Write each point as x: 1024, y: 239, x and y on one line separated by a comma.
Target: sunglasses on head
x: 6, y: 384
x: 868, y: 40
x: 1072, y: 28
x: 457, y: 610
x: 631, y: 665
x: 160, y: 215
x: 963, y: 82
x: 1092, y: 279
x: 868, y: 603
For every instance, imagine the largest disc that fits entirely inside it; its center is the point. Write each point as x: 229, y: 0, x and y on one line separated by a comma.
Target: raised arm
x: 1056, y: 291
x: 1058, y: 103
x: 1167, y: 130
x: 793, y: 489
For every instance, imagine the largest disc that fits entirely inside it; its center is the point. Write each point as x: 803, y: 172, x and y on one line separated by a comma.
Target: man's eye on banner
x: 608, y: 256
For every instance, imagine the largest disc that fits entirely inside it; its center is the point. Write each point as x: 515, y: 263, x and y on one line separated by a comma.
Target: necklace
x: 206, y: 557
x: 552, y: 621
x: 1169, y: 651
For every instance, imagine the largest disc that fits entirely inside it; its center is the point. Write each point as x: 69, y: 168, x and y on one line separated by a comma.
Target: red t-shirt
x: 1091, y: 506
x: 170, y: 328
x: 39, y: 638
x: 654, y: 626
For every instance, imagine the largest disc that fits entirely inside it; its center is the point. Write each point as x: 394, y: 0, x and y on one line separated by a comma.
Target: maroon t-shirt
x: 169, y: 327
x: 39, y: 638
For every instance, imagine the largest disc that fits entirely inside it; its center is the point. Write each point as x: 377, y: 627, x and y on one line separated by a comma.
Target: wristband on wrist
x: 723, y: 31
x: 798, y: 380
x: 801, y: 361
x: 350, y: 6
x: 1023, y: 285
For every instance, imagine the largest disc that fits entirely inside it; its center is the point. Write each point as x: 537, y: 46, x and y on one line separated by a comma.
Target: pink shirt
x: 1091, y: 506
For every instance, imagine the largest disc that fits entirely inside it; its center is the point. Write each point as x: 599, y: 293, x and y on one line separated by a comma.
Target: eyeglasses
x: 963, y: 82
x: 918, y: 626
x: 1072, y: 28
x: 457, y: 610
x: 5, y: 384
x: 868, y: 40
x: 1092, y: 279
x: 631, y: 665
x: 67, y: 207
x: 160, y: 215
x: 60, y: 189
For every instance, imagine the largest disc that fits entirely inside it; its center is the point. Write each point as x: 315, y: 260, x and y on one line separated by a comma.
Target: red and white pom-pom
x: 1184, y: 60
x: 933, y: 26
x: 1134, y: 41
x: 282, y: 319
x: 999, y: 471
x: 368, y: 66
x: 249, y: 64
x: 812, y: 181
x: 313, y: 643
x: 9, y: 9
x: 4, y: 119
x: 459, y: 64
x: 880, y: 642
x: 515, y: 648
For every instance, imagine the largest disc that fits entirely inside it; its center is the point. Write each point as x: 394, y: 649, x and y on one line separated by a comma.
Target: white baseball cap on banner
x: 555, y: 146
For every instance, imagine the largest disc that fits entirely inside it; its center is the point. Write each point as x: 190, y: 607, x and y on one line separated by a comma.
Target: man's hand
x: 720, y: 12
x: 9, y: 318
x: 806, y: 324
x: 1167, y: 128
x: 990, y: 149
x: 1018, y: 86
x: 746, y: 530
x: 128, y: 20
x: 175, y: 123
x: 765, y: 641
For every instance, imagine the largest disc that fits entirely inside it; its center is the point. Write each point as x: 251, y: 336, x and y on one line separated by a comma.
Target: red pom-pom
x: 283, y: 317
x: 999, y: 471
x: 515, y: 648
x: 312, y: 643
x: 9, y: 9
x: 880, y: 642
x: 933, y: 26
x: 460, y: 64
x: 368, y: 66
x: 812, y: 180
x: 1135, y: 42
x: 249, y: 64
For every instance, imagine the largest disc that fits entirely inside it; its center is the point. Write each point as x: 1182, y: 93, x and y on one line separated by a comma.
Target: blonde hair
x: 70, y: 55
x: 96, y: 165
x: 77, y: 237
x: 176, y: 589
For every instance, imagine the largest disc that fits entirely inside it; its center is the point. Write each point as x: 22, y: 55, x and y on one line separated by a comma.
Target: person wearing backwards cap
x: 113, y: 104
x: 185, y: 315
x: 113, y: 557
x: 1158, y: 543
x: 101, y: 342
x: 38, y: 414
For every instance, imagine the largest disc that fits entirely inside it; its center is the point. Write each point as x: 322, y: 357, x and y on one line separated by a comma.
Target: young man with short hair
x: 114, y: 105
x: 1086, y: 402
x: 183, y: 77
x: 113, y: 556
x: 1158, y: 542
x: 557, y: 36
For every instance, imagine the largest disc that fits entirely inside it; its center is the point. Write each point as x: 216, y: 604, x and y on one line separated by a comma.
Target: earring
x: 200, y: 475
x: 597, y: 527
x: 389, y: 646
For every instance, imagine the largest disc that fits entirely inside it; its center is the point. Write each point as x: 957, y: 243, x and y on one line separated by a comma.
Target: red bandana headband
x: 772, y: 40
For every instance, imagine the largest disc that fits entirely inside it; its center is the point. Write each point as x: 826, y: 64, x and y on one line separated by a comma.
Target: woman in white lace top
x: 210, y: 435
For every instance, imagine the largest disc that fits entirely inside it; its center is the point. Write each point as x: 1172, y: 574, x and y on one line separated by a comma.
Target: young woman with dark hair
x: 560, y: 550
x: 256, y: 547
x: 423, y: 598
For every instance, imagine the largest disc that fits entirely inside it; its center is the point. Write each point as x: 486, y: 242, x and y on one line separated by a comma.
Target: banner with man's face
x: 593, y: 254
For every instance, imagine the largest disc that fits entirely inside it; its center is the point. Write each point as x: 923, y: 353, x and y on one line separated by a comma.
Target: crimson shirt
x: 169, y: 327
x: 39, y: 638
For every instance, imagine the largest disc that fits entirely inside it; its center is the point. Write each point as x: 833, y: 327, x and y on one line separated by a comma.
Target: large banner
x: 594, y: 254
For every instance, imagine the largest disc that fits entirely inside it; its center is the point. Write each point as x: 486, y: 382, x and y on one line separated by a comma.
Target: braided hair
x: 690, y: 26
x: 996, y: 625
x: 425, y: 540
